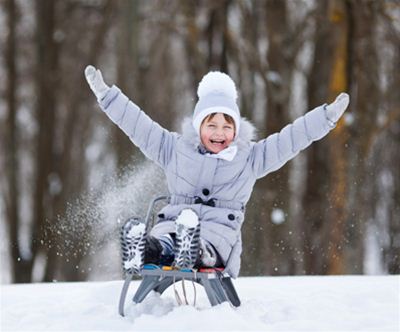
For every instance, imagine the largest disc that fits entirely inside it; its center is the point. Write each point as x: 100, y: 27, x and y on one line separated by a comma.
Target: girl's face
x: 216, y: 133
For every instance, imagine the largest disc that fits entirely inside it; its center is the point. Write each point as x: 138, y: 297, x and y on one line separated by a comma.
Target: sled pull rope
x: 194, y: 286
x: 184, y: 291
x: 177, y: 297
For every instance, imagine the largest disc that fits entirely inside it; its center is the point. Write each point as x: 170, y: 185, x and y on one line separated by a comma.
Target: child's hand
x: 96, y: 82
x: 335, y: 110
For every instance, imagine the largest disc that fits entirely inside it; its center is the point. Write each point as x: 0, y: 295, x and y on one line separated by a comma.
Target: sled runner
x: 217, y: 284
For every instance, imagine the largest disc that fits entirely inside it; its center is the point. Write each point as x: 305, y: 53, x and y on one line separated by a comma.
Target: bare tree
x: 275, y: 247
x: 316, y: 187
x: 128, y: 74
x: 364, y: 82
x: 337, y: 159
x: 20, y: 269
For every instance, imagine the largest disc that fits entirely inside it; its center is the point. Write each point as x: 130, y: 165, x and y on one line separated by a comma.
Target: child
x: 210, y: 169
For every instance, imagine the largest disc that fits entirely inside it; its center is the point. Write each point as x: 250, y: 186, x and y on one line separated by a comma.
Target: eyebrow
x: 224, y: 124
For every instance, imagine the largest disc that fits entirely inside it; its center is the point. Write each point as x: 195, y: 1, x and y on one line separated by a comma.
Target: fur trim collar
x: 247, y: 133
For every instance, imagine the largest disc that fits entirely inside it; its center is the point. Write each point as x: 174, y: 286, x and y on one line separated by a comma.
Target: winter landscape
x: 287, y: 157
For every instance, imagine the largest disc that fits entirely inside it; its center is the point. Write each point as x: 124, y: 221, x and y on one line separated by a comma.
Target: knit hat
x: 217, y: 94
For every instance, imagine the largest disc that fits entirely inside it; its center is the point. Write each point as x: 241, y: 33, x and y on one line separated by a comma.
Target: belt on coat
x: 213, y: 202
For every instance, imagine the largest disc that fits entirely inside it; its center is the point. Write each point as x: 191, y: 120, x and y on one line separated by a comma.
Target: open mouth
x: 217, y: 142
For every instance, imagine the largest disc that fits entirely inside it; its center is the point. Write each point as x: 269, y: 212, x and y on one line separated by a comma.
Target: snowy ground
x: 351, y: 303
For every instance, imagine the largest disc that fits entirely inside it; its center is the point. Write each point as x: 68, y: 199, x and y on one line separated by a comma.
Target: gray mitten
x: 96, y: 82
x: 335, y: 110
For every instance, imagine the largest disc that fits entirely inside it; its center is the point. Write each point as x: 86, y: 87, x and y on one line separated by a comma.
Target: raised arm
x: 274, y: 151
x: 154, y: 141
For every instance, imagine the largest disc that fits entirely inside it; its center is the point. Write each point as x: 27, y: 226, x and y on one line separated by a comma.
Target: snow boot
x: 187, y: 238
x: 133, y: 239
x: 208, y: 256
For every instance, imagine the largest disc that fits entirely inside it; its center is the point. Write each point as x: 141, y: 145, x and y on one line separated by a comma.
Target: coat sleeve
x: 154, y: 141
x: 273, y: 152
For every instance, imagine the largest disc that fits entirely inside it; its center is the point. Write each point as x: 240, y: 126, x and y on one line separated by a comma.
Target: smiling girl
x: 211, y: 169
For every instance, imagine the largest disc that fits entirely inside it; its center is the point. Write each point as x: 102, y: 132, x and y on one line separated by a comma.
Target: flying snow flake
x: 277, y: 216
x: 348, y: 118
x: 274, y: 77
x: 55, y: 184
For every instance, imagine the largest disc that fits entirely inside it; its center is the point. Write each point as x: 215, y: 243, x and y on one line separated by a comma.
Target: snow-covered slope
x: 351, y: 303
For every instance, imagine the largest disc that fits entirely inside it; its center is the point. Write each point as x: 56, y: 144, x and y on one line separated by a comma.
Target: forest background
x: 69, y: 177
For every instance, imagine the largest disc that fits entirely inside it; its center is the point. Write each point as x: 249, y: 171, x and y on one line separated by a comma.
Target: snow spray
x: 87, y: 236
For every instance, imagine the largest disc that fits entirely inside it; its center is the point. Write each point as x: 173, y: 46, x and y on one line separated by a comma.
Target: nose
x: 219, y: 131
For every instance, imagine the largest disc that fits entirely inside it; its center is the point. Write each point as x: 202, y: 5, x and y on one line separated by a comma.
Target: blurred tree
x: 74, y: 132
x: 217, y: 33
x: 20, y: 268
x: 384, y: 143
x: 271, y: 239
x: 251, y: 63
x: 47, y: 79
x: 364, y: 68
x: 336, y: 216
x: 276, y: 247
x: 315, y: 198
x: 192, y: 39
x: 392, y: 251
x: 128, y: 74
x: 324, y: 201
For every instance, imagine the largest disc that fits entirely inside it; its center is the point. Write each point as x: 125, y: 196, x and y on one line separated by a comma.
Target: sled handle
x: 151, y: 206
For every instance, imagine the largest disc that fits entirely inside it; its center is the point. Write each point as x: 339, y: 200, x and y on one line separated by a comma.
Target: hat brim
x: 198, y: 119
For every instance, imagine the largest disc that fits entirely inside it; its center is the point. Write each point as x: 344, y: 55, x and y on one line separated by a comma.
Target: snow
x: 277, y: 216
x: 340, y: 303
x: 137, y: 230
x: 274, y: 77
x: 188, y: 218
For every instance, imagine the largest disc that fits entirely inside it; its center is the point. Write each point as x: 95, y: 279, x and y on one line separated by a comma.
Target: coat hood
x: 247, y: 133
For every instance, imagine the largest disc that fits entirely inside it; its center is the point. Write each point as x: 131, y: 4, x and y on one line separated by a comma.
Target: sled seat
x: 218, y: 287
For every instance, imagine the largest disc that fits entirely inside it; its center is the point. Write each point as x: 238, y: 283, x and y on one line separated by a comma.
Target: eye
x: 211, y: 125
x: 228, y: 127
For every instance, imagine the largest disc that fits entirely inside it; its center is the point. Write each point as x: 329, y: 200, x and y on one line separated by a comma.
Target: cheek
x: 230, y: 137
x: 204, y: 135
x: 228, y: 141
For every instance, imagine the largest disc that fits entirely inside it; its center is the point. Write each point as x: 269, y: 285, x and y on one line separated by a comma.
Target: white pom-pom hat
x: 217, y: 94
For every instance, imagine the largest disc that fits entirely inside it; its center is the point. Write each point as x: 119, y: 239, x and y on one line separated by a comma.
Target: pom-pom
x: 217, y: 82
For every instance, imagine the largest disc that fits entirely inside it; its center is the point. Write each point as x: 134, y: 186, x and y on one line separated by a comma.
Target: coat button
x: 206, y: 192
x: 231, y: 216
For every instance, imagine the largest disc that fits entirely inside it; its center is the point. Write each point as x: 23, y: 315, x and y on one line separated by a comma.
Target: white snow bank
x: 355, y: 303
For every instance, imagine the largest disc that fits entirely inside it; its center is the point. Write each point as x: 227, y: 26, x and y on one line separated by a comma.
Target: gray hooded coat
x: 216, y: 189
